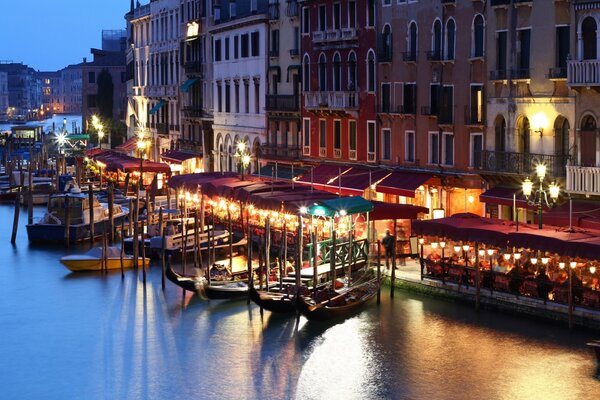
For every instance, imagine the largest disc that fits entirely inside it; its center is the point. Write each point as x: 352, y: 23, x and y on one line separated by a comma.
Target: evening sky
x: 49, y: 35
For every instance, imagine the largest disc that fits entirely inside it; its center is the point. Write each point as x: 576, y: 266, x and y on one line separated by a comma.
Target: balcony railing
x: 583, y: 180
x: 522, y: 163
x: 195, y: 112
x: 292, y: 9
x: 557, y: 73
x: 274, y: 53
x: 334, y: 35
x: 331, y: 100
x: 274, y: 11
x: 294, y: 52
x: 162, y: 129
x: 583, y: 73
x: 395, y: 109
x: 498, y: 75
x: 280, y: 102
x: 434, y: 55
x: 521, y: 73
x: 281, y: 151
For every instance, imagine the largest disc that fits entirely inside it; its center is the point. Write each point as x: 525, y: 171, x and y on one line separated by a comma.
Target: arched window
x: 306, y: 73
x: 370, y: 12
x: 500, y: 133
x: 561, y: 136
x: 587, y: 141
x: 436, y: 40
x: 478, y: 36
x: 412, y: 41
x: 588, y: 35
x: 524, y: 131
x: 450, y: 38
x: 386, y: 44
x: 337, y: 72
x: 371, y: 71
x: 322, y: 72
x: 352, y: 76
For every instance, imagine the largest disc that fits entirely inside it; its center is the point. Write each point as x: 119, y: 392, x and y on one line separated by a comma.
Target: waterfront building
x: 196, y: 89
x: 24, y: 90
x: 531, y: 105
x: 114, y: 39
x: 3, y: 96
x: 430, y: 98
x: 240, y: 64
x: 103, y: 62
x: 71, y: 89
x: 154, y: 99
x: 51, y: 92
x: 282, y: 102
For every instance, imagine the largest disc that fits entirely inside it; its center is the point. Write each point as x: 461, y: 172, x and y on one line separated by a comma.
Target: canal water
x: 95, y: 336
x: 57, y: 119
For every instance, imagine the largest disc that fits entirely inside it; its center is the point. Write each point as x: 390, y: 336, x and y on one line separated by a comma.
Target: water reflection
x: 97, y: 336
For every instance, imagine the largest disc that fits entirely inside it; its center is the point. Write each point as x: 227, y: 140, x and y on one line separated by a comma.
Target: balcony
x: 292, y: 10
x: 434, y: 55
x: 498, y: 75
x: 583, y: 180
x: 280, y: 151
x: 195, y: 112
x: 280, y: 102
x: 274, y: 11
x: 557, y: 74
x: 294, y: 52
x: 517, y: 163
x: 331, y: 100
x: 273, y: 53
x: 388, y: 108
x: 409, y: 56
x: 520, y: 74
x: 162, y: 129
x: 334, y: 35
x: 496, y: 3
x: 583, y: 73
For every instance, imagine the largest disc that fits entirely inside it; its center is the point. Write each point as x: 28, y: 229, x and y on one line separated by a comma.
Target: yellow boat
x: 92, y: 260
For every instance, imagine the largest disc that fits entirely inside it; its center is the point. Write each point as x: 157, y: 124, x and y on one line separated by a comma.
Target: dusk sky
x: 49, y: 35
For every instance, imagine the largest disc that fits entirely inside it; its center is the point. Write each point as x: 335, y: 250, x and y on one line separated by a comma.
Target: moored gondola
x: 279, y: 302
x: 330, y: 305
x: 190, y: 283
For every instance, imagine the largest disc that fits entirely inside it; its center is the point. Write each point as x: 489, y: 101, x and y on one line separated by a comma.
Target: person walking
x: 388, y: 242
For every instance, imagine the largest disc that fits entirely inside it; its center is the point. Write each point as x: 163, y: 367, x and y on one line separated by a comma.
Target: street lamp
x: 539, y: 197
x: 244, y: 157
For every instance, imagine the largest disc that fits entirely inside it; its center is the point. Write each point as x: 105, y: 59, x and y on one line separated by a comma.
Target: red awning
x: 93, y: 152
x: 584, y: 214
x: 128, y: 146
x: 504, y: 196
x: 177, y: 157
x: 322, y: 176
x: 402, y: 183
x: 395, y: 211
x: 356, y: 180
x: 192, y: 181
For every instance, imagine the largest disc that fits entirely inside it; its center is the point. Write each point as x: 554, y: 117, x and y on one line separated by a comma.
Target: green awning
x: 188, y: 84
x: 283, y: 172
x: 157, y: 107
x: 340, y: 206
x: 83, y: 136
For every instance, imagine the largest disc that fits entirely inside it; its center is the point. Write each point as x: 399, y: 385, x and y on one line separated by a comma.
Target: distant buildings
x: 24, y: 90
x: 71, y: 88
x: 4, y: 96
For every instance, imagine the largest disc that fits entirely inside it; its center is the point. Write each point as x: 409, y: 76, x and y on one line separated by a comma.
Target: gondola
x: 190, y: 283
x: 220, y: 290
x: 331, y: 304
x: 278, y: 302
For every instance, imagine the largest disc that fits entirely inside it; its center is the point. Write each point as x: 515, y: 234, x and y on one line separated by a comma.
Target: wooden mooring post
x: 13, y: 237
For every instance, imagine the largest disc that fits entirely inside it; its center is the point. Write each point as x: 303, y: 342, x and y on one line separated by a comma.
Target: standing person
x: 388, y: 244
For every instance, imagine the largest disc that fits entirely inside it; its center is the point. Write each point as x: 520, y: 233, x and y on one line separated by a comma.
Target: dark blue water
x: 94, y: 336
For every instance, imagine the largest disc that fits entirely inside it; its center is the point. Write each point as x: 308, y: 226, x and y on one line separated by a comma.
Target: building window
x: 434, y: 148
x: 237, y: 96
x: 476, y: 114
x: 337, y: 72
x: 371, y: 139
x: 306, y: 73
x: 322, y: 133
x: 434, y: 98
x: 226, y: 48
x: 227, y: 97
x: 352, y: 14
x: 219, y: 98
x: 476, y: 148
x: 371, y: 71
x: 524, y: 38
x: 337, y: 16
x: 91, y: 101
x: 589, y: 38
x: 247, y: 96
x: 450, y: 38
x: 412, y: 41
x: 244, y: 44
x: 436, y: 40
x: 386, y: 144
x: 257, y: 97
x: 305, y: 20
x: 255, y: 43
x: 217, y: 50
x: 478, y: 36
x: 370, y: 13
x: 91, y: 77
x: 306, y: 132
x: 352, y: 136
x: 563, y: 48
x: 236, y: 47
x: 322, y: 72
x: 337, y: 134
x: 274, y: 43
x: 448, y: 148
x: 446, y: 115
x: 322, y: 17
x: 409, y: 146
x: 352, y: 72
x: 501, y: 49
x: 386, y: 97
x: 410, y: 98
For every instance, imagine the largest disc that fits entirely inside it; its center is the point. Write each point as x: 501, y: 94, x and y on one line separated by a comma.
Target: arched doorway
x: 587, y: 144
x: 561, y: 144
x: 588, y: 35
x: 524, y: 134
x: 500, y: 133
x: 256, y: 153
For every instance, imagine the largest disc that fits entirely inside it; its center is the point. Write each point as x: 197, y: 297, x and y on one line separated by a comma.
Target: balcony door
x: 588, y: 141
x: 588, y: 35
x: 561, y: 145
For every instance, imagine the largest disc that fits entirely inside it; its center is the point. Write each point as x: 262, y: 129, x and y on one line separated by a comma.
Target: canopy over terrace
x: 383, y: 211
x: 191, y: 181
x: 119, y: 162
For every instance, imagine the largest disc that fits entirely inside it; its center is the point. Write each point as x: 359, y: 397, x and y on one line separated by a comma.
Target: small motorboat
x: 92, y: 260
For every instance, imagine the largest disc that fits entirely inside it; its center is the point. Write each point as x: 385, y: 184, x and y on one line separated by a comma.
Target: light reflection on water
x: 99, y: 337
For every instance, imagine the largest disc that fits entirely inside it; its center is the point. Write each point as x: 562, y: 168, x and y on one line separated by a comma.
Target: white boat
x: 176, y: 241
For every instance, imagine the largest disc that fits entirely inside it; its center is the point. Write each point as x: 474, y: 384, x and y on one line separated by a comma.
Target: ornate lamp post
x: 539, y: 197
x: 244, y: 157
